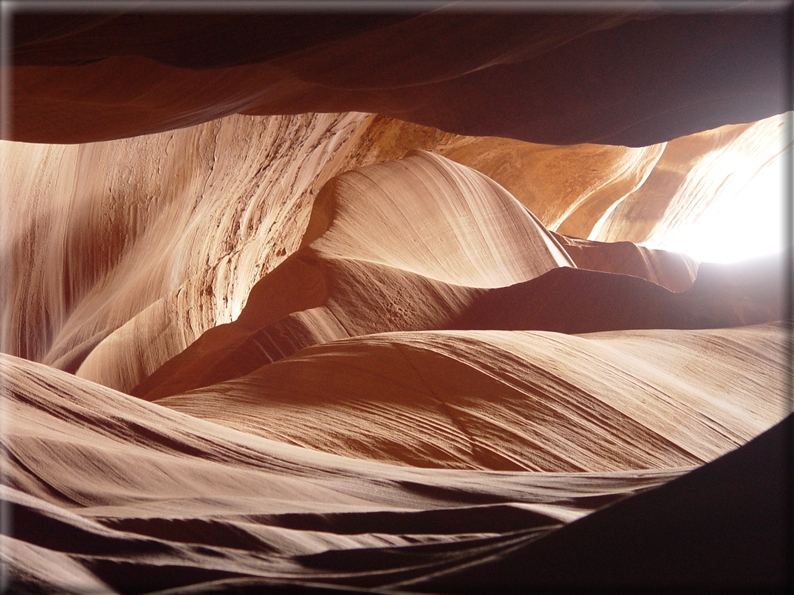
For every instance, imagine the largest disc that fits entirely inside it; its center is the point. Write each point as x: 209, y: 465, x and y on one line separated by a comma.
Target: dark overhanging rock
x: 631, y: 79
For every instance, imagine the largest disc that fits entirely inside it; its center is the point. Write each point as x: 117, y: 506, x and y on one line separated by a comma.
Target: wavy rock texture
x: 309, y: 348
x: 472, y: 233
x: 512, y: 401
x: 189, y: 217
x: 205, y: 258
x: 140, y: 198
x: 366, y: 222
x: 569, y: 188
x: 377, y: 257
x: 176, y: 259
x: 144, y: 497
x: 601, y: 192
x: 296, y: 280
x: 61, y: 308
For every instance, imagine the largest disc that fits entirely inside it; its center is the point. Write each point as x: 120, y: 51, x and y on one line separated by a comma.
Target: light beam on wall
x: 746, y: 219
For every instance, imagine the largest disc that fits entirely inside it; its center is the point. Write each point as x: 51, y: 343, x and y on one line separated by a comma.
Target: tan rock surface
x: 695, y: 174
x: 514, y: 400
x: 672, y: 270
x: 377, y: 256
x: 387, y: 357
x: 171, y: 265
x: 574, y: 301
x: 187, y: 221
x: 142, y: 497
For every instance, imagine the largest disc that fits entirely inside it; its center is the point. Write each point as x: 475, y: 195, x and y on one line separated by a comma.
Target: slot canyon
x: 403, y: 298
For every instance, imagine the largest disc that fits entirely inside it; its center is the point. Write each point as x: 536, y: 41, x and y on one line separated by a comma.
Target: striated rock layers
x: 303, y: 348
x: 143, y: 498
x: 160, y: 207
x: 377, y: 256
x: 514, y: 400
x: 177, y: 260
x: 358, y: 363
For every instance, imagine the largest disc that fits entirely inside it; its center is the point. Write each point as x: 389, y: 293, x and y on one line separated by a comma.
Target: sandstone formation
x: 577, y: 301
x: 143, y: 497
x: 636, y: 77
x: 513, y: 400
x: 377, y: 257
x: 687, y: 180
x: 676, y: 537
x: 384, y: 302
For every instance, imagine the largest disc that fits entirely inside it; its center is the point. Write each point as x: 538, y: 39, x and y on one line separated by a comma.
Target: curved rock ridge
x: 350, y: 298
x: 403, y: 245
x: 176, y: 259
x: 375, y: 249
x: 638, y: 76
x: 577, y: 301
x: 430, y: 216
x: 572, y: 185
x: 603, y: 192
x: 503, y: 400
x: 671, y: 270
x: 145, y: 498
x: 569, y: 188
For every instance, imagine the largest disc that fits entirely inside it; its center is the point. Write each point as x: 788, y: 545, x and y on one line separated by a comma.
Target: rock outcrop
x: 638, y: 76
